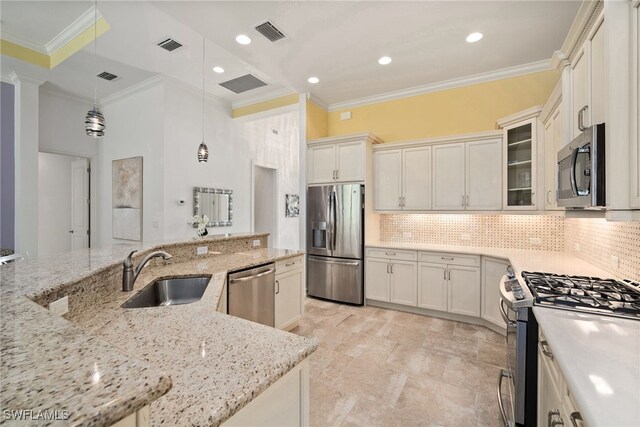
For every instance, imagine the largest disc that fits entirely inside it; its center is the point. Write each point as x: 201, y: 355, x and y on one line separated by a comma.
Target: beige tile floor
x: 377, y: 367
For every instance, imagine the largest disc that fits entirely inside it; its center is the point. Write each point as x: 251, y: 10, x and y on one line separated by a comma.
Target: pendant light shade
x: 203, y: 153
x: 94, y: 123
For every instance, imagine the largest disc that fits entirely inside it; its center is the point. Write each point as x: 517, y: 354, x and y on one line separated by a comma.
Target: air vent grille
x: 243, y: 83
x: 169, y: 44
x: 107, y: 76
x: 270, y: 31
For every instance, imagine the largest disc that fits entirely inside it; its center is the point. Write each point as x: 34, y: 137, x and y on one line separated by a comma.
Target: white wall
x: 134, y: 128
x: 54, y: 203
x: 265, y: 202
x: 228, y: 167
x: 279, y: 151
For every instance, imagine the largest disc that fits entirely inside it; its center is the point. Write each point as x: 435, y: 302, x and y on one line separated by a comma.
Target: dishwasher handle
x: 247, y: 278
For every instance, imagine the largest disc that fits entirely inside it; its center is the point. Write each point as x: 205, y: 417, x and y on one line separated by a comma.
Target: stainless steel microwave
x: 581, y: 170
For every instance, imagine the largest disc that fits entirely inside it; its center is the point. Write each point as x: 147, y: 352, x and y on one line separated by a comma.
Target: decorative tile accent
x: 599, y: 240
x: 499, y: 231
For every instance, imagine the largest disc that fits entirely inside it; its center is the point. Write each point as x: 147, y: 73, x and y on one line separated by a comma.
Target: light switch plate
x: 60, y: 306
x: 576, y: 247
x: 407, y: 234
x: 465, y: 236
x: 202, y: 250
x: 256, y: 243
x: 345, y: 115
x: 615, y: 261
x: 535, y: 241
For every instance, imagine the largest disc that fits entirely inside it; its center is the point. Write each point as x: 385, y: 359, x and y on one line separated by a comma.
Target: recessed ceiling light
x: 218, y: 70
x: 243, y: 39
x: 384, y: 60
x: 474, y: 37
x: 313, y: 80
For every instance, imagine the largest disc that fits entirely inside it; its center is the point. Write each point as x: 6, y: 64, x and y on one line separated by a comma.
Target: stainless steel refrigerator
x: 335, y: 242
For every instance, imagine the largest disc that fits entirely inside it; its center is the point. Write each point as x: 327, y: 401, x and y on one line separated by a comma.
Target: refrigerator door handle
x: 334, y: 220
x: 329, y: 222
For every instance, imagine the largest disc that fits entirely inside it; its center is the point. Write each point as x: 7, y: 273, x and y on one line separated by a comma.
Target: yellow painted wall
x: 317, y: 121
x: 465, y: 109
x: 259, y: 107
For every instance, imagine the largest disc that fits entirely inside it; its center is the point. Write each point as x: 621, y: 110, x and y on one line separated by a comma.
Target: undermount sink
x: 173, y: 291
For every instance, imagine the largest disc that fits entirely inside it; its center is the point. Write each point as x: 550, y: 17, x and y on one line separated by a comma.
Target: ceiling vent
x: 270, y: 31
x: 169, y: 44
x: 107, y: 76
x: 243, y: 83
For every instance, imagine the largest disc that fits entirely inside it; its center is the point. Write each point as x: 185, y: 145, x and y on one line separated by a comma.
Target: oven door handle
x: 503, y: 374
x: 511, y: 325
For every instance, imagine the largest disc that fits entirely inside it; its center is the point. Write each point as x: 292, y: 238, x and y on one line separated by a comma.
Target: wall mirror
x: 215, y: 203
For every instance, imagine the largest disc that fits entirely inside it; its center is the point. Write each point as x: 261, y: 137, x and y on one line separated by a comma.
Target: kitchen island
x: 104, y: 362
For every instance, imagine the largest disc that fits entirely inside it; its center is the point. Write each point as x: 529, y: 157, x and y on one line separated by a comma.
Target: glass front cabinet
x: 520, y: 165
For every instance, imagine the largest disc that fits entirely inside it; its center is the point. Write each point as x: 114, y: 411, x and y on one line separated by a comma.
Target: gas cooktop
x: 581, y: 293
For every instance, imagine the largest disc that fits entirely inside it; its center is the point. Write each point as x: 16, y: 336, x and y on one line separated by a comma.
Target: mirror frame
x: 196, y: 205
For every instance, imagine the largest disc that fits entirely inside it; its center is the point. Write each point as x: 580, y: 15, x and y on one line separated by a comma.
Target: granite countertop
x: 106, y: 362
x: 599, y: 355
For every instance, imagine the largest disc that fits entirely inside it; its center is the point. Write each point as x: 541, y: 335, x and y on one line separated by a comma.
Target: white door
x: 387, y: 173
x: 464, y: 290
x: 350, y: 161
x: 265, y: 206
x: 377, y: 279
x: 596, y: 55
x: 322, y: 163
x: 416, y: 178
x: 288, y: 297
x: 579, y: 95
x: 492, y: 272
x: 549, y: 394
x: 432, y: 286
x: 484, y: 175
x: 79, y: 231
x: 404, y: 282
x: 448, y: 177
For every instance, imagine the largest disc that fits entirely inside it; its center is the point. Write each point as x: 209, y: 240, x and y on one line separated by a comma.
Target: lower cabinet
x: 492, y: 271
x: 289, y: 303
x: 391, y: 280
x: 451, y: 288
x: 432, y: 286
x: 140, y: 418
x: 284, y: 403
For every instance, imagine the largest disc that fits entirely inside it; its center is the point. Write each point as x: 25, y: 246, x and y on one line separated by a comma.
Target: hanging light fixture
x: 94, y: 123
x: 203, y: 151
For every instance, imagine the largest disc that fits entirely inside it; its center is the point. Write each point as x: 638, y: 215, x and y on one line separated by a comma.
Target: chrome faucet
x: 129, y: 274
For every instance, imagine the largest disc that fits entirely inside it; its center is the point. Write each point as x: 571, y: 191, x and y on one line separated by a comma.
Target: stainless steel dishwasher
x: 251, y: 294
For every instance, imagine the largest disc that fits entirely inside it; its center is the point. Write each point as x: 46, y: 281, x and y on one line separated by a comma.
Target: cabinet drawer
x: 289, y: 264
x: 448, y: 258
x: 392, y: 254
x: 550, y: 362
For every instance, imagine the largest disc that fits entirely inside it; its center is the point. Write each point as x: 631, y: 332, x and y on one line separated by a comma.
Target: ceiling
x: 339, y: 42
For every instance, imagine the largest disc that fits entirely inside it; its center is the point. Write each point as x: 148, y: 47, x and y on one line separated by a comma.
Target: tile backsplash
x: 500, y: 231
x: 598, y: 240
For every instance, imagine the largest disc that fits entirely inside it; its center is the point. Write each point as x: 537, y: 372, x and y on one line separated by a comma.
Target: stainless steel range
x: 620, y: 298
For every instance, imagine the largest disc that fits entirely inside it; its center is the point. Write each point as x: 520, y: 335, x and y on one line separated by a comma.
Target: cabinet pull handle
x: 533, y: 198
x: 277, y: 287
x: 444, y: 274
x: 462, y: 200
x: 337, y: 173
x: 449, y: 274
x: 391, y: 268
x: 581, y: 125
x: 399, y: 201
x: 467, y: 204
x: 289, y: 264
x: 574, y: 417
x: 549, y: 197
x: 388, y: 267
x: 544, y: 346
x: 447, y: 258
x: 390, y: 253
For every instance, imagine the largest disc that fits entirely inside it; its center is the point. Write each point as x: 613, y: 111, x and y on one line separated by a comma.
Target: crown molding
x: 527, y: 114
x: 267, y: 96
x: 196, y: 91
x: 586, y: 14
x: 464, y: 137
x: 319, y: 102
x: 559, y: 60
x: 131, y: 90
x: 66, y: 95
x: 503, y: 73
x: 15, y: 78
x: 74, y: 29
x: 347, y: 138
x: 267, y: 113
x: 21, y: 41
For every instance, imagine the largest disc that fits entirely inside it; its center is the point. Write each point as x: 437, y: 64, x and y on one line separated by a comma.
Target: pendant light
x: 203, y: 151
x: 94, y: 123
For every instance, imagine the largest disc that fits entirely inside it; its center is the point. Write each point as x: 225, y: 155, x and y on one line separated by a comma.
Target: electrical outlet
x: 202, y: 250
x: 256, y: 243
x: 535, y: 241
x: 407, y: 234
x: 615, y: 261
x: 576, y: 247
x: 60, y: 306
x: 465, y: 236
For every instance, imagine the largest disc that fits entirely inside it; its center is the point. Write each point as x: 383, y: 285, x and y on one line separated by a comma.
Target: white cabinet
x: 448, y: 177
x: 339, y: 159
x: 445, y: 286
x: 402, y: 179
x: 484, y: 175
x: 289, y: 304
x: 553, y: 142
x: 579, y: 88
x: 392, y: 277
x: 492, y: 271
x: 520, y: 165
x: 140, y: 418
x: 635, y: 107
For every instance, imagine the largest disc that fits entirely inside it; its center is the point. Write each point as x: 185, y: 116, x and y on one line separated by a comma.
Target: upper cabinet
x: 339, y: 159
x: 635, y: 106
x: 521, y: 157
x: 448, y: 177
x: 552, y: 122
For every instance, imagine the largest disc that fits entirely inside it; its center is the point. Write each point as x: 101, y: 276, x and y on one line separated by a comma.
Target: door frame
x: 276, y: 207
x: 93, y: 189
